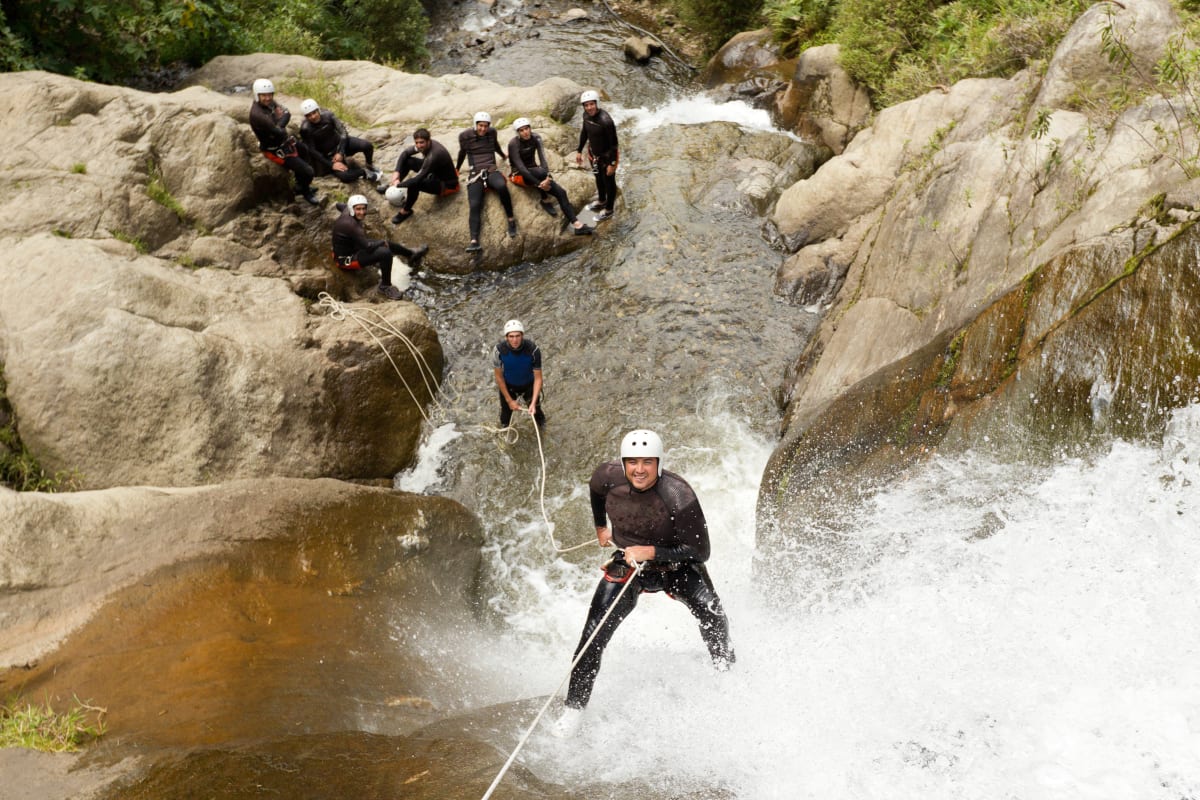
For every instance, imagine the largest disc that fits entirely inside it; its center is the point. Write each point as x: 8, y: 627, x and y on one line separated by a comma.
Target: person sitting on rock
x: 433, y: 172
x: 269, y: 121
x: 353, y: 250
x: 527, y: 157
x: 330, y: 145
x: 480, y: 145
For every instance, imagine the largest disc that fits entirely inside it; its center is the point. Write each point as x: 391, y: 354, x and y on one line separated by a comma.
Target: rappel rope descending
x: 637, y: 569
x: 375, y: 325
x: 372, y: 321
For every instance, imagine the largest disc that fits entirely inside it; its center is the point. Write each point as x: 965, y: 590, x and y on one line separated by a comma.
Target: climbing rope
x: 644, y: 32
x: 372, y: 322
x: 637, y: 568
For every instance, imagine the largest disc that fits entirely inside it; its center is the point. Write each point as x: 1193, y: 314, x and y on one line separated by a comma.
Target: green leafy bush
x: 900, y: 49
x: 718, y: 20
x: 113, y: 40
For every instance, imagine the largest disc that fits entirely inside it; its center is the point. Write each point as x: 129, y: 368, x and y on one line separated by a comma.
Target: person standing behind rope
x: 517, y: 367
x: 433, y: 169
x: 480, y: 145
x: 527, y: 157
x: 269, y: 121
x: 330, y: 145
x: 599, y: 134
x: 658, y: 523
x: 353, y: 250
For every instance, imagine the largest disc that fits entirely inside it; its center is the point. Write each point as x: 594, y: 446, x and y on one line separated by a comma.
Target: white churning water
x: 1053, y: 655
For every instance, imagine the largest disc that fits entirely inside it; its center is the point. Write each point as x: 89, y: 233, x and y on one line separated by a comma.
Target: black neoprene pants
x: 560, y: 194
x: 496, y: 182
x: 689, y: 584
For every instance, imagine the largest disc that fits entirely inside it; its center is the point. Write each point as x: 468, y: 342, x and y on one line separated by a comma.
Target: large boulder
x: 952, y: 218
x: 822, y: 102
x: 129, y: 370
x: 63, y: 555
x: 97, y: 161
x: 964, y: 193
x: 1082, y: 68
x: 392, y: 101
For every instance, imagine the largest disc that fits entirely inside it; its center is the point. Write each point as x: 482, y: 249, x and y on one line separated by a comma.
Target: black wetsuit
x: 328, y: 138
x: 280, y: 146
x: 668, y: 517
x: 599, y: 135
x: 353, y: 250
x: 482, y: 151
x: 517, y: 368
x: 434, y: 172
x: 529, y: 168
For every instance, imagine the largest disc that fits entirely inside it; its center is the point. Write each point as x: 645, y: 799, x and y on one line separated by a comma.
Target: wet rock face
x: 152, y: 374
x: 1093, y: 345
x: 290, y: 634
x: 1005, y: 289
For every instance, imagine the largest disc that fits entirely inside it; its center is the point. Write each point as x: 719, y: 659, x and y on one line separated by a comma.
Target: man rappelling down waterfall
x: 658, y: 524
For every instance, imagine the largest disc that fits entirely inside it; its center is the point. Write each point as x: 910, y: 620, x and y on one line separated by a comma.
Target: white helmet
x: 309, y: 106
x: 396, y: 195
x: 643, y: 444
x: 356, y: 200
x: 263, y: 86
x: 513, y: 326
x: 483, y: 116
x: 521, y: 122
x: 590, y: 96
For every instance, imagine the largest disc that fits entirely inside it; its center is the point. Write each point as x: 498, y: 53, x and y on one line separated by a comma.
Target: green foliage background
x: 900, y: 49
x: 114, y: 40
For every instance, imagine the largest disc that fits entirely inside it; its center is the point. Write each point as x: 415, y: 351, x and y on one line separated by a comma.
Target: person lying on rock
x: 527, y: 157
x: 353, y: 250
x: 599, y: 134
x: 433, y: 172
x: 269, y: 121
x: 480, y: 145
x: 330, y: 145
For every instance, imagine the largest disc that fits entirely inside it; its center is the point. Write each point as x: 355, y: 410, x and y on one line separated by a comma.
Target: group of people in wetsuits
x: 651, y: 516
x: 325, y: 147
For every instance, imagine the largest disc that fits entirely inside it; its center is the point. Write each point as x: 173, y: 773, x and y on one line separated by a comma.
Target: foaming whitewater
x: 997, y: 631
x: 693, y: 110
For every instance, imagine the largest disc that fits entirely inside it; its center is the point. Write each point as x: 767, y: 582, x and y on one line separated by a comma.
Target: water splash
x: 1050, y: 658
x: 694, y: 110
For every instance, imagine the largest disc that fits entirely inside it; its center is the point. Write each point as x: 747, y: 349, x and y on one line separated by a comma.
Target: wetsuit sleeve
x: 536, y: 362
x: 496, y: 144
x: 582, y: 139
x: 541, y: 154
x: 419, y: 175
x: 496, y: 362
x: 518, y: 164
x: 342, y: 133
x: 598, y: 488
x: 285, y: 119
x: 687, y: 518
x: 462, y: 153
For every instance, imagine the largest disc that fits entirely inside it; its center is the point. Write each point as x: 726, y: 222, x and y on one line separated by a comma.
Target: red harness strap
x: 346, y: 262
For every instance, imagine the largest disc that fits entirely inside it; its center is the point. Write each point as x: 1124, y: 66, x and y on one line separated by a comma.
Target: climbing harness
x: 637, y: 568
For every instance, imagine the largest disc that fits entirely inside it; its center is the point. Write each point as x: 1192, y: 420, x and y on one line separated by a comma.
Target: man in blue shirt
x: 517, y: 365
